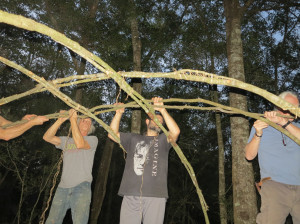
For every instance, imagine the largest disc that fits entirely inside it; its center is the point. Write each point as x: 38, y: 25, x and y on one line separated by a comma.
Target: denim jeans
x: 77, y: 198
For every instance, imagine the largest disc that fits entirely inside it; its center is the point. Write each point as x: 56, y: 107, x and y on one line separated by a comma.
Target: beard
x: 154, y: 128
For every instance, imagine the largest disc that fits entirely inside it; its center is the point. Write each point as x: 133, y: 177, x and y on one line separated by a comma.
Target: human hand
x: 28, y: 116
x: 120, y: 110
x: 73, y: 114
x: 272, y: 116
x: 259, y: 126
x: 158, y: 101
x: 38, y: 120
x: 63, y: 116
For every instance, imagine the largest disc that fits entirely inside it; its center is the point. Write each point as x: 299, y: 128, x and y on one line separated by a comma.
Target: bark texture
x: 244, y: 197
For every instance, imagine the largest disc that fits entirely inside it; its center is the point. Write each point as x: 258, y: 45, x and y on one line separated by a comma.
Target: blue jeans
x: 77, y: 198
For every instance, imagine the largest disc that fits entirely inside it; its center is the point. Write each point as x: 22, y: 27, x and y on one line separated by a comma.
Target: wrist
x: 73, y: 119
x: 119, y: 114
x: 286, y: 124
x: 162, y: 111
x: 257, y: 135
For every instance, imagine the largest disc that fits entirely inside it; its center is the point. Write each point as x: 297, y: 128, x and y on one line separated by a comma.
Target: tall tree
x: 136, y: 116
x: 244, y: 197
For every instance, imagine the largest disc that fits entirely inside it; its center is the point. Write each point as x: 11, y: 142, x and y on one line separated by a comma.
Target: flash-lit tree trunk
x: 222, y: 185
x: 221, y: 164
x: 244, y: 197
x: 137, y: 66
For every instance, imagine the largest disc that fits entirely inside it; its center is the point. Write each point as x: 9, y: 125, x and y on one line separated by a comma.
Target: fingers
x: 38, y: 120
x: 120, y: 110
x: 157, y: 101
x: 43, y: 119
x: 73, y: 114
x: 259, y: 126
x: 272, y: 116
x: 63, y: 115
x: 28, y: 116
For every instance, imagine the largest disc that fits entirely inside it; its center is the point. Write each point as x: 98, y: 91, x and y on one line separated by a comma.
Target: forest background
x: 253, y: 41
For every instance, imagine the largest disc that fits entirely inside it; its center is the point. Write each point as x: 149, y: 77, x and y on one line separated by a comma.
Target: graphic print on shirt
x: 155, y: 158
x: 71, y: 147
x: 140, y: 157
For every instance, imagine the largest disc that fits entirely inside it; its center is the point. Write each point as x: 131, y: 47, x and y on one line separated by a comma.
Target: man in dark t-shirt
x: 144, y: 182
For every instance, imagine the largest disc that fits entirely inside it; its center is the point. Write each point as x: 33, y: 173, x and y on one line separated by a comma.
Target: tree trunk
x: 100, y: 185
x: 244, y: 197
x: 109, y: 208
x: 222, y: 184
x: 137, y: 66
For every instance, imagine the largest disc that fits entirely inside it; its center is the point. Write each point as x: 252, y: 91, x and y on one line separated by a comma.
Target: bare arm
x: 174, y: 130
x: 79, y: 140
x: 115, y: 123
x: 3, y: 121
x: 294, y: 130
x: 252, y: 147
x: 272, y: 116
x: 15, y: 131
x: 50, y: 134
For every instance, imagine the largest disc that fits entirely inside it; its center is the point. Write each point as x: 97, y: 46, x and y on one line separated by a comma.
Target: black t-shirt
x: 146, y: 167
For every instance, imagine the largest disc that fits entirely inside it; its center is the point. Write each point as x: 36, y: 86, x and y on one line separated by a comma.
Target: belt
x: 258, y: 185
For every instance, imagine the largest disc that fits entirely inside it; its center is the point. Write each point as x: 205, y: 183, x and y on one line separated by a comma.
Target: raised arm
x: 50, y: 134
x: 79, y: 140
x: 115, y: 123
x: 251, y: 148
x: 3, y: 121
x: 174, y: 130
x: 284, y: 122
x: 15, y: 131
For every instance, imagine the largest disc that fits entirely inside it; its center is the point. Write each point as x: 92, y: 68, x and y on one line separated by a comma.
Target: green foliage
x: 174, y: 35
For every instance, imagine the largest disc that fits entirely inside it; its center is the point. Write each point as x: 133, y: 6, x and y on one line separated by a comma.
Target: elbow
x: 6, y: 138
x: 46, y: 138
x: 80, y: 145
x: 249, y: 156
x: 176, y: 134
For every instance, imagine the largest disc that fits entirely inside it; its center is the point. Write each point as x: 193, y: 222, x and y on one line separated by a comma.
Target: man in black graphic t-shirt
x: 144, y: 182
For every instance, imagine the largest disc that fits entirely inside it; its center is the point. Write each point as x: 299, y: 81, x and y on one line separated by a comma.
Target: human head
x: 140, y: 156
x: 85, y: 125
x: 152, y: 126
x: 290, y: 97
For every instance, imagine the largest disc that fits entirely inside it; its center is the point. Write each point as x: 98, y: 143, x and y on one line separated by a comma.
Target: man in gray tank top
x: 144, y: 182
x: 74, y: 189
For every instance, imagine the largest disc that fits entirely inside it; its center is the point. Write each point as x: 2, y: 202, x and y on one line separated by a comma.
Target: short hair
x: 285, y: 93
x: 92, y: 128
